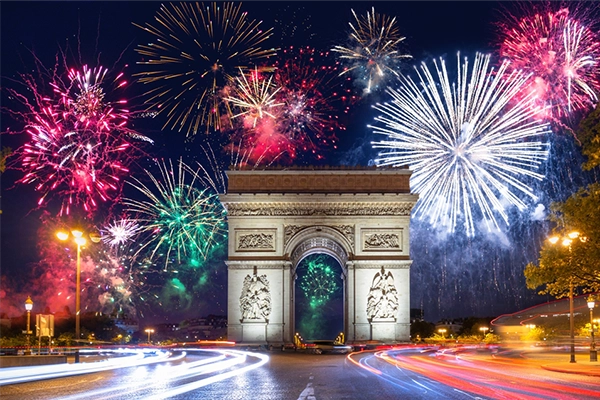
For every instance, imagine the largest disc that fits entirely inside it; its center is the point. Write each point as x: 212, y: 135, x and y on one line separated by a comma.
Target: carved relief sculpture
x: 255, y: 301
x: 382, y: 302
x: 382, y: 241
x: 254, y: 241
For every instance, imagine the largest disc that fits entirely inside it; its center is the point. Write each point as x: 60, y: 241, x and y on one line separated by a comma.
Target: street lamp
x: 566, y: 241
x: 484, y: 330
x: 80, y: 241
x: 149, y: 331
x: 593, y: 353
x: 28, y: 307
x: 442, y: 331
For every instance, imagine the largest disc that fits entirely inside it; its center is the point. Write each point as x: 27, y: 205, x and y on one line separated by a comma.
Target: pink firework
x: 79, y: 144
x: 563, y: 55
x: 309, y: 95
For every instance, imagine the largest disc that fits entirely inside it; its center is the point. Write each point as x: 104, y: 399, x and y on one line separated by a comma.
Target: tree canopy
x: 579, y: 262
x: 588, y: 133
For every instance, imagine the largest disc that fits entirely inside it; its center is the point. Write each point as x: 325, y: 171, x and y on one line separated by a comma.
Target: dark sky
x: 104, y: 31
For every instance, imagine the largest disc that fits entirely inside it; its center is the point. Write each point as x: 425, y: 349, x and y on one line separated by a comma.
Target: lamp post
x: 80, y: 241
x: 566, y: 241
x: 28, y: 307
x: 442, y: 331
x: 149, y: 331
x: 484, y: 330
x: 593, y: 352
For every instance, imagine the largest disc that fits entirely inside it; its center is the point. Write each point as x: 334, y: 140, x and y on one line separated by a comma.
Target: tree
x: 578, y: 262
x: 4, y: 153
x: 588, y: 133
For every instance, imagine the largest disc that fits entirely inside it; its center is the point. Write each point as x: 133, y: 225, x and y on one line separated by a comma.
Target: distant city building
x: 452, y: 327
x: 513, y: 326
x: 213, y: 327
x: 126, y: 323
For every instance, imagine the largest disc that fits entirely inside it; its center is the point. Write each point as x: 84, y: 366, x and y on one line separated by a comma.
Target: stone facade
x: 360, y: 217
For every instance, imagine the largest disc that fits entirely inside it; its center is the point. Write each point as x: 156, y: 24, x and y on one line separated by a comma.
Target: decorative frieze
x: 255, y: 240
x: 305, y: 209
x: 383, y: 239
x: 289, y: 231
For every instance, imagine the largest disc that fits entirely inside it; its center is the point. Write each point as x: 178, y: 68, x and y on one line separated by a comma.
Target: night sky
x: 104, y: 31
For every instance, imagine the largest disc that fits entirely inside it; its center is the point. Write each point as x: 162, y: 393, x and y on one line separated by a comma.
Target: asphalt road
x: 399, y: 374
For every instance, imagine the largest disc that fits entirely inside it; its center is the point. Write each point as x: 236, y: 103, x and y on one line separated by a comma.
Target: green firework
x: 319, y: 282
x: 181, y: 218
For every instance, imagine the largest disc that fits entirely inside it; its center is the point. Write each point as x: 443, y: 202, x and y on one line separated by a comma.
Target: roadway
x: 386, y: 374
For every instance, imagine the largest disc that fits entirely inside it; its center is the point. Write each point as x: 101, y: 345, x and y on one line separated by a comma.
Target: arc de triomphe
x: 358, y: 216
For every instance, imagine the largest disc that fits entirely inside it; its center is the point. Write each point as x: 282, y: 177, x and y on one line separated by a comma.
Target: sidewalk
x: 559, y: 362
x: 580, y: 367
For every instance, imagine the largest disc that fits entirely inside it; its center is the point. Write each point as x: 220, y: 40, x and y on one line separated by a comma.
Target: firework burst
x: 254, y: 96
x: 319, y: 281
x: 562, y: 53
x: 305, y: 121
x: 80, y: 146
x: 119, y: 232
x: 374, y: 52
x: 467, y: 147
x: 180, y: 217
x: 197, y: 51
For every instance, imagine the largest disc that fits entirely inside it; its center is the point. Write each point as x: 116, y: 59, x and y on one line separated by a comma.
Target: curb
x: 571, y: 371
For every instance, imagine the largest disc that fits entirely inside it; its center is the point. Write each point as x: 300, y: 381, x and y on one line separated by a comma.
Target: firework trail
x: 562, y: 53
x: 374, y: 52
x: 80, y: 146
x: 254, y: 96
x: 180, y: 218
x: 306, y: 121
x: 197, y: 49
x: 469, y: 149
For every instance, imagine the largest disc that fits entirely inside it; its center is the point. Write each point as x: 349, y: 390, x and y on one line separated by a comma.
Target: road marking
x: 309, y: 392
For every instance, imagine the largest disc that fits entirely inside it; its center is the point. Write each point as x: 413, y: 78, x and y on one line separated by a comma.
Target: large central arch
x: 360, y: 217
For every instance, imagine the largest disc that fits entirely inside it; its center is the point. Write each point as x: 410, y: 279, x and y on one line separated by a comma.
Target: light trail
x: 224, y: 364
x: 34, y: 373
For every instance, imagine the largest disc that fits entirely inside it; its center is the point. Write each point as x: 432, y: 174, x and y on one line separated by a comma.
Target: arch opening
x: 319, y: 293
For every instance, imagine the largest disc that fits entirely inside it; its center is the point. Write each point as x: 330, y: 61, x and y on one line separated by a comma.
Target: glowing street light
x: 566, y: 241
x: 28, y: 307
x: 593, y: 353
x: 442, y: 332
x: 484, y: 330
x: 149, y: 331
x: 80, y: 241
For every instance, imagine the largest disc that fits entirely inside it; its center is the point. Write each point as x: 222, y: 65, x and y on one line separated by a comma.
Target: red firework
x: 79, y: 144
x: 308, y: 94
x: 563, y: 55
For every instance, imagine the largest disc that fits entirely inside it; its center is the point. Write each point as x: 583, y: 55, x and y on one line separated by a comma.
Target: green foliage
x: 421, y: 329
x: 536, y: 334
x: 578, y: 263
x: 4, y: 153
x: 588, y: 133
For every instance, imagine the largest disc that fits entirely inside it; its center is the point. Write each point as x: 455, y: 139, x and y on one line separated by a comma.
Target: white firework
x: 468, y: 145
x: 119, y: 232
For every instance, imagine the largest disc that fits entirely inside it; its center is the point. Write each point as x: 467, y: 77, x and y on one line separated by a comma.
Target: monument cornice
x: 304, y: 209
x: 395, y: 180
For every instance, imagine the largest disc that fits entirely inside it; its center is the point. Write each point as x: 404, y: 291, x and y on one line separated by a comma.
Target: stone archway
x: 360, y: 217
